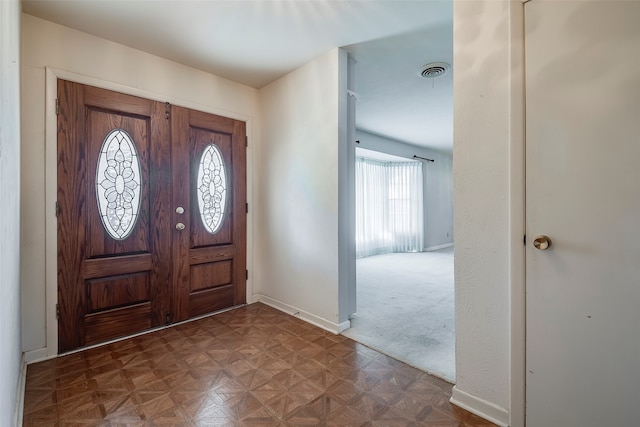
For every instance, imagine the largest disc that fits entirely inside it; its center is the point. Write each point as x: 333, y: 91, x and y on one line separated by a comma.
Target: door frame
x: 51, y: 187
x: 517, y: 217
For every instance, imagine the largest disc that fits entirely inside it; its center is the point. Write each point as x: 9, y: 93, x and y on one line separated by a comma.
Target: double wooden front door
x: 151, y: 214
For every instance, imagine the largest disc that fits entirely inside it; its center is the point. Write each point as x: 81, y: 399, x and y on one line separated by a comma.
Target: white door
x: 583, y: 192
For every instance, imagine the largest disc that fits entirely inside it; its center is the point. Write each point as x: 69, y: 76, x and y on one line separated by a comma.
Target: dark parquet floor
x: 252, y: 366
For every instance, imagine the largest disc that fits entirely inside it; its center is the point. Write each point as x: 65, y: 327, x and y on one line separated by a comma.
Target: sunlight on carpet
x: 405, y: 309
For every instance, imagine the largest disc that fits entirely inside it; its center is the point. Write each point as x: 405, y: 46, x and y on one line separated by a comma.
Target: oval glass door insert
x: 212, y: 188
x: 118, y: 184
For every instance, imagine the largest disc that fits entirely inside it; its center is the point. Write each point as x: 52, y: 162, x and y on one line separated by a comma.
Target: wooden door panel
x: 114, y: 101
x: 112, y: 292
x: 117, y: 322
x: 210, y: 275
x: 160, y: 201
x: 240, y: 207
x: 102, y: 267
x: 180, y: 212
x: 226, y: 125
x: 210, y: 267
x: 99, y: 242
x: 71, y: 228
x: 210, y: 300
x: 109, y: 287
x: 211, y: 254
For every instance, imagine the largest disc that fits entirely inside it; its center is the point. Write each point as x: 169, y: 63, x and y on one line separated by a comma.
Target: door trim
x: 517, y: 218
x: 51, y: 242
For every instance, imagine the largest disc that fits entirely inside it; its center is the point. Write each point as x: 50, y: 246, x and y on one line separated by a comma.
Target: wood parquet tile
x: 252, y: 366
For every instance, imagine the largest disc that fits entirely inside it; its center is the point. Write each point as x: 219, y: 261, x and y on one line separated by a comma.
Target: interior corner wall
x: 10, y: 349
x: 438, y: 185
x: 297, y: 208
x: 482, y: 146
x: 347, y: 192
x: 45, y: 44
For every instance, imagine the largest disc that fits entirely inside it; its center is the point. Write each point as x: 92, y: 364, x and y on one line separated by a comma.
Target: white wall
x: 45, y: 44
x: 10, y: 347
x: 297, y: 206
x: 488, y: 208
x: 438, y: 185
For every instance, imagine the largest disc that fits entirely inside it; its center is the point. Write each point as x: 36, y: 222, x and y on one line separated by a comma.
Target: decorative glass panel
x: 212, y: 188
x: 118, y: 184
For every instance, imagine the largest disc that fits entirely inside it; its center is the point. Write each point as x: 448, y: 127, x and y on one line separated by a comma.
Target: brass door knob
x: 542, y: 242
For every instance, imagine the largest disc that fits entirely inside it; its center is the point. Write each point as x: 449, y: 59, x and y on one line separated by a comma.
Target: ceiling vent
x: 433, y: 70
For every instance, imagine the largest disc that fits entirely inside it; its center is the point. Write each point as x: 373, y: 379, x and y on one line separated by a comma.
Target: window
x: 389, y: 210
x: 118, y: 184
x: 212, y: 188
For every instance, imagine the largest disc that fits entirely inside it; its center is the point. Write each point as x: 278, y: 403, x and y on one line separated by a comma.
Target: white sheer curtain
x: 388, y: 207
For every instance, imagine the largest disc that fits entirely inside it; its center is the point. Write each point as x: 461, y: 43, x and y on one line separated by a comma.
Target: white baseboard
x: 37, y: 355
x: 19, y: 404
x: 343, y: 326
x: 480, y: 407
x: 435, y: 248
x: 318, y: 321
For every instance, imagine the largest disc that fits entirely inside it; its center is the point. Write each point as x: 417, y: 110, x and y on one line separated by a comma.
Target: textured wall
x: 482, y: 126
x: 297, y: 211
x: 10, y: 349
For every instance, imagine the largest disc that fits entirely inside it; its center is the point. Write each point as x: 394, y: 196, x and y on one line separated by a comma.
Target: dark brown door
x: 121, y: 164
x: 209, y: 212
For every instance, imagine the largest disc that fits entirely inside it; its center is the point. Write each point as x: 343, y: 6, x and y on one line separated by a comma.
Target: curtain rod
x: 423, y: 158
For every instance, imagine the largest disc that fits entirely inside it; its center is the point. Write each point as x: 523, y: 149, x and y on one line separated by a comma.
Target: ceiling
x: 254, y: 42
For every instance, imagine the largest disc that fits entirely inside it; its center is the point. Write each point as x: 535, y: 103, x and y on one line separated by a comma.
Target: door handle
x: 180, y: 226
x: 542, y: 242
x: 179, y: 210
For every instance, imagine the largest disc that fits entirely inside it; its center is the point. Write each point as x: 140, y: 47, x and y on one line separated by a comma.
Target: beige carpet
x: 405, y: 309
